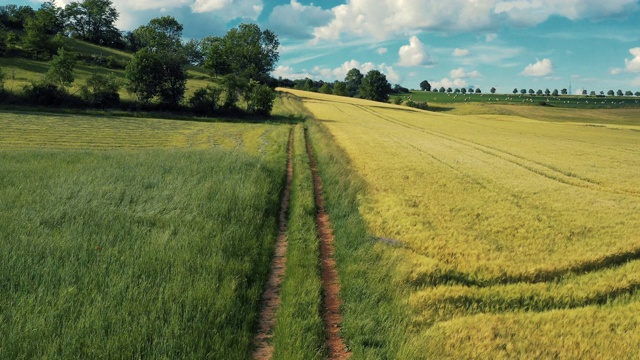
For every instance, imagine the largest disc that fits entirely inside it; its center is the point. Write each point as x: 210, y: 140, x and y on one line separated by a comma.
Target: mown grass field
x: 134, y: 238
x: 518, y: 235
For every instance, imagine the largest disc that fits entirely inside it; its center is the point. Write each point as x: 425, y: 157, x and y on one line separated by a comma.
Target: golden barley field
x: 519, y: 227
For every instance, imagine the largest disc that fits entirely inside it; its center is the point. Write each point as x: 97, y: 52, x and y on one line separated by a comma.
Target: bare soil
x: 330, y: 282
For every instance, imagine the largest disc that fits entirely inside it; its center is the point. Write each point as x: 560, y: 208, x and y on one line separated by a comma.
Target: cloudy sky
x: 592, y: 44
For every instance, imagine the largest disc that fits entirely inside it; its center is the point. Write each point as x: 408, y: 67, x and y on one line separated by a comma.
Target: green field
x: 134, y: 238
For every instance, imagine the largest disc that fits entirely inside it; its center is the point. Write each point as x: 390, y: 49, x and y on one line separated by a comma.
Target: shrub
x: 261, y: 100
x: 101, y: 91
x: 397, y: 100
x: 44, y: 93
x: 418, y: 104
x: 204, y: 101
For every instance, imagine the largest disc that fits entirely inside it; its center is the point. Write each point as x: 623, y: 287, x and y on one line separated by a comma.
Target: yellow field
x: 520, y: 232
x: 28, y: 130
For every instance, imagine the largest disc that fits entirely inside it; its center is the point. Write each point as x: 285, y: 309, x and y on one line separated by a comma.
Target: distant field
x: 565, y: 101
x: 134, y: 238
x: 520, y: 233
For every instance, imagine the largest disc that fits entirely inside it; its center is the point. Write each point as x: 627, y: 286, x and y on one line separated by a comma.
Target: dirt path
x: 330, y: 284
x: 271, y: 295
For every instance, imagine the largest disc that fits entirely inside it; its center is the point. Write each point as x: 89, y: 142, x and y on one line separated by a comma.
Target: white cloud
x: 542, y: 67
x: 383, y: 19
x: 460, y: 52
x: 413, y: 54
x: 490, y: 37
x: 460, y: 73
x: 636, y: 82
x: 447, y: 83
x: 287, y: 72
x: 631, y: 66
x: 232, y: 8
x: 390, y: 73
x: 382, y: 51
x: 338, y: 73
x: 296, y: 20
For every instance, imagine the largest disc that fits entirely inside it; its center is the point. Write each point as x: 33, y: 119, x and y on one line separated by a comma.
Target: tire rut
x: 263, y: 347
x: 330, y: 282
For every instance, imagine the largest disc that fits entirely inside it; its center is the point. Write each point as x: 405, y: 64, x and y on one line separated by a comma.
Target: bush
x: 45, y: 94
x: 3, y: 76
x: 204, y: 101
x: 418, y: 104
x: 261, y: 100
x: 101, y: 91
x: 397, y: 100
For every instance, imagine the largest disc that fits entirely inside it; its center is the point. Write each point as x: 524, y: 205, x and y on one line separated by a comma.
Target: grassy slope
x: 21, y: 72
x: 135, y: 253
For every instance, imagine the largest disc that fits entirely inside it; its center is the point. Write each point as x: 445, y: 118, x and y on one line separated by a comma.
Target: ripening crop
x: 511, y: 225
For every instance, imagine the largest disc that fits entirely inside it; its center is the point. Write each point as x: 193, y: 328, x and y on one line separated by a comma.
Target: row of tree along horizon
x: 240, y: 62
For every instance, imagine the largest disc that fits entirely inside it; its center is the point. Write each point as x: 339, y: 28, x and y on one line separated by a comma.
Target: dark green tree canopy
x: 425, y: 86
x: 245, y: 51
x: 353, y: 81
x: 93, y: 21
x: 375, y: 86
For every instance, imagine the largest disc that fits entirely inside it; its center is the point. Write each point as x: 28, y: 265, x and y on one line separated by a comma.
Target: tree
x: 564, y: 91
x: 93, y: 21
x: 14, y: 16
x: 353, y: 80
x: 602, y: 93
x: 515, y: 91
x: 463, y: 90
x: 449, y: 90
x: 539, y: 92
x: 340, y: 88
x: 442, y: 89
x: 36, y: 41
x: 325, y: 89
x: 628, y: 93
x: 425, y: 86
x: 456, y: 91
x: 610, y: 93
x: 261, y: 98
x: 523, y: 91
x: 531, y: 92
x: 60, y: 71
x: 619, y: 93
x: 478, y: 91
x: 547, y: 92
x: 375, y: 86
x: 193, y: 52
x: 555, y: 92
x: 593, y: 93
x: 245, y: 51
x: 400, y: 89
x: 584, y: 92
x: 3, y: 76
x: 493, y: 90
x: 637, y: 93
x: 159, y: 68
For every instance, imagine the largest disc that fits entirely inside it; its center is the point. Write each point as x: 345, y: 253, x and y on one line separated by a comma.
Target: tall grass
x: 300, y: 333
x: 132, y: 254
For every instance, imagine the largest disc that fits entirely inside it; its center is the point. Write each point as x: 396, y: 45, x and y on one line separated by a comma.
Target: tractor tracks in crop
x: 263, y: 341
x: 263, y: 347
x: 330, y: 282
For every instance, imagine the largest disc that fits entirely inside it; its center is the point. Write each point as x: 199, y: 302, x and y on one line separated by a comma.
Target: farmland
x: 517, y: 231
x: 134, y: 238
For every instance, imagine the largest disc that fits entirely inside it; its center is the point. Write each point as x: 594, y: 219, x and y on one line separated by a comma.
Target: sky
x: 506, y: 44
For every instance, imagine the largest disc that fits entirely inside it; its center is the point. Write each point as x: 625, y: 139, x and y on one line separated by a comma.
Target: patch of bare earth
x: 263, y: 347
x: 330, y: 282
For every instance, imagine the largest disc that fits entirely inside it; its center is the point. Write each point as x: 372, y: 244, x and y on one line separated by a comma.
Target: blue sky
x: 538, y: 44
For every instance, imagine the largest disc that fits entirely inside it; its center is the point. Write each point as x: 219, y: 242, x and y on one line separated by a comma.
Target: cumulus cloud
x: 460, y: 73
x: 631, y: 66
x: 460, y: 52
x: 447, y: 83
x: 413, y: 54
x: 383, y: 19
x: 542, y: 67
x: 297, y: 21
x: 338, y: 73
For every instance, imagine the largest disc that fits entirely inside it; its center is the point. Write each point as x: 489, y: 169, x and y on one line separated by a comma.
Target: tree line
x: 240, y: 62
